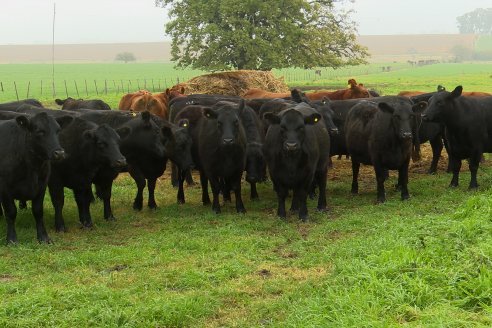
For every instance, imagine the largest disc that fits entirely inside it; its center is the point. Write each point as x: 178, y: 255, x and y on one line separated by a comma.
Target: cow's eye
x: 40, y: 133
x: 101, y: 144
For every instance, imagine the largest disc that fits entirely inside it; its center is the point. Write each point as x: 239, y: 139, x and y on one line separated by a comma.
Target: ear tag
x: 348, y: 86
x: 134, y: 114
x: 316, y: 119
x: 185, y: 125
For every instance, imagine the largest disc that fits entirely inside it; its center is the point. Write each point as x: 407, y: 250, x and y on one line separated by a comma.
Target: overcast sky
x: 99, y: 21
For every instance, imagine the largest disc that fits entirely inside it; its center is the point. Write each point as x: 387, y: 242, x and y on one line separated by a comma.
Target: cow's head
x: 227, y: 117
x: 255, y: 163
x: 324, y: 108
x: 178, y: 144
x: 292, y: 127
x: 440, y: 103
x: 106, y: 144
x: 43, y: 132
x: 403, y: 118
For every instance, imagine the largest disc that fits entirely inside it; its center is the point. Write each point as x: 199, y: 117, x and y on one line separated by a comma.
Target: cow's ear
x: 63, y: 121
x: 59, y: 102
x: 312, y: 119
x: 419, y: 107
x: 124, y: 132
x: 167, y: 92
x: 386, y: 108
x: 242, y: 104
x: 182, y: 90
x: 22, y: 121
x: 209, y: 113
x: 167, y: 132
x: 440, y: 88
x: 272, y: 118
x: 145, y: 115
x: 184, y: 123
x: 325, y: 100
x: 456, y: 92
x: 296, y: 95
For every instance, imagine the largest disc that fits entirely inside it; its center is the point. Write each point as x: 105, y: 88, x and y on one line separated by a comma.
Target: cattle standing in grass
x: 89, y: 148
x: 142, y: 101
x: 383, y: 135
x: 468, y: 122
x: 292, y: 150
x: 222, y: 151
x: 29, y: 144
x: 74, y: 104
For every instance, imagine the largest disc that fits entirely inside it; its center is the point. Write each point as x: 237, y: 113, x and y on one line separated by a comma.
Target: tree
x: 258, y: 34
x: 125, y: 56
x: 461, y: 53
x: 478, y: 21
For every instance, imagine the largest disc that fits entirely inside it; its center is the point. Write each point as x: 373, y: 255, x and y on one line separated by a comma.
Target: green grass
x: 425, y: 262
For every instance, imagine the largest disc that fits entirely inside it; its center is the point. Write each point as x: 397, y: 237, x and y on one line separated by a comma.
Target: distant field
x: 113, y: 80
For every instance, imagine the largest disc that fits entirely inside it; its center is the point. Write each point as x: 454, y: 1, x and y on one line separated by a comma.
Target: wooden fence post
x: 28, y: 87
x: 76, y: 88
x: 86, y: 90
x: 66, y: 89
x: 16, y: 94
x: 97, y: 91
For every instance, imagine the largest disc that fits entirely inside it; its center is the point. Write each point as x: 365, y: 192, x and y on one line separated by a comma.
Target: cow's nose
x: 59, y: 155
x: 227, y: 141
x: 406, y: 135
x: 120, y: 162
x: 424, y: 117
x: 291, y: 145
x: 334, y: 131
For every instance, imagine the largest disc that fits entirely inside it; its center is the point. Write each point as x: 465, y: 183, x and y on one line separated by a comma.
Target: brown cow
x: 143, y: 100
x: 354, y: 91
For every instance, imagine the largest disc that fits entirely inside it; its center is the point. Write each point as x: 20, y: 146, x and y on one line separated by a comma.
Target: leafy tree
x: 125, y: 56
x: 478, y: 21
x: 258, y: 34
x: 461, y: 53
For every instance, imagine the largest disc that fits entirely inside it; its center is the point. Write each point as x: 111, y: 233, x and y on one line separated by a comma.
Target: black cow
x: 221, y: 151
x: 13, y: 105
x: 179, y: 103
x: 74, y: 104
x: 383, y: 135
x: 292, y: 149
x: 29, y: 144
x: 89, y: 147
x: 468, y: 122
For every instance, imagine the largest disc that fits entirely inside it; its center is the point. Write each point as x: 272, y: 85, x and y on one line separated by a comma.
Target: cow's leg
x: 301, y: 195
x: 139, y: 179
x: 37, y: 212
x: 181, y: 178
x: 22, y: 204
x: 189, y: 178
x: 294, y: 205
x: 320, y: 178
x: 254, y: 192
x: 281, y: 196
x: 355, y: 177
x: 83, y: 204
x: 455, y: 166
x: 10, y: 214
x: 151, y: 187
x: 204, y: 183
x: 380, y: 177
x: 58, y: 200
x: 103, y: 191
x: 236, y: 186
x: 473, y: 165
x: 216, y: 185
x: 226, y: 189
x: 175, y: 175
x: 449, y: 169
x: 403, y: 181
x: 436, y: 145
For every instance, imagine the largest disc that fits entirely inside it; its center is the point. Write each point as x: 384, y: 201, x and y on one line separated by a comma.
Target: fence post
x: 28, y: 87
x: 145, y: 84
x: 86, y: 91
x: 153, y: 88
x: 66, y: 89
x: 138, y: 84
x: 159, y: 81
x: 76, y: 88
x: 41, y: 88
x: 105, y: 87
x: 114, y: 85
x: 97, y: 91
x: 16, y: 94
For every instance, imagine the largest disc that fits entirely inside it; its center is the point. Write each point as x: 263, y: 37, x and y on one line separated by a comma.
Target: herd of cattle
x: 293, y: 136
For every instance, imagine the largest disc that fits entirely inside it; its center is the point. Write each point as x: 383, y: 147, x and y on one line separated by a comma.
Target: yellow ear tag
x: 185, y: 125
x: 134, y: 114
x: 349, y: 86
x: 316, y: 119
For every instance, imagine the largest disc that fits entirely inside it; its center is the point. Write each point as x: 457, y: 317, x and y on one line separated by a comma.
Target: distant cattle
x: 468, y: 122
x: 74, y: 104
x: 296, y: 155
x: 383, y: 135
x: 353, y: 91
x: 144, y: 100
x: 29, y: 144
x: 260, y: 93
x: 13, y: 105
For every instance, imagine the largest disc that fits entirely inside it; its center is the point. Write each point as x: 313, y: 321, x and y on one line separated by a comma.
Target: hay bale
x: 233, y: 83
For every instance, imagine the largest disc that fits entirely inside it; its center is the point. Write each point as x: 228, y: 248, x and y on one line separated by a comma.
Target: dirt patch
x: 6, y: 278
x: 233, y: 83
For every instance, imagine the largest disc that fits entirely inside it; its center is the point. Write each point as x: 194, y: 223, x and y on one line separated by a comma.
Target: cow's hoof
x: 241, y: 210
x: 405, y: 197
x: 61, y: 229
x: 153, y: 207
x: 110, y: 218
x: 45, y: 240
x: 322, y: 209
x: 137, y: 207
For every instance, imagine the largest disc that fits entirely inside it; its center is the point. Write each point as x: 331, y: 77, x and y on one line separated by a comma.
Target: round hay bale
x: 233, y: 83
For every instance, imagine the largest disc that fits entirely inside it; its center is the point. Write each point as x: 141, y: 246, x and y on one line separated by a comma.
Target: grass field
x: 425, y: 262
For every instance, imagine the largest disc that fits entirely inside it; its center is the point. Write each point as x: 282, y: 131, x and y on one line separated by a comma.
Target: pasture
x: 425, y: 262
